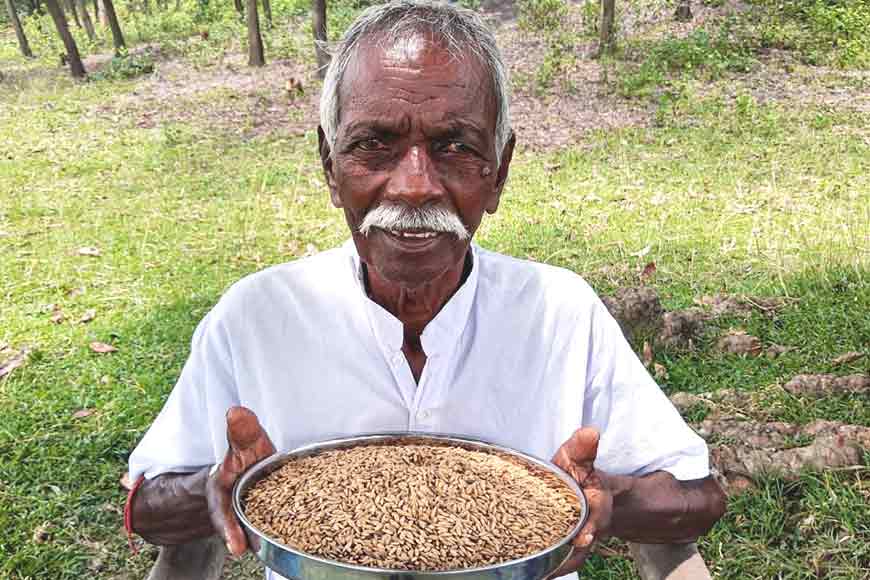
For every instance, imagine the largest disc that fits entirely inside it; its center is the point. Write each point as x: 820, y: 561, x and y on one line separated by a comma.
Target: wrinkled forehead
x: 416, y: 67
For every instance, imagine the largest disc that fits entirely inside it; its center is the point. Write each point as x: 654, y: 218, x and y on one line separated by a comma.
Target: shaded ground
x: 227, y: 96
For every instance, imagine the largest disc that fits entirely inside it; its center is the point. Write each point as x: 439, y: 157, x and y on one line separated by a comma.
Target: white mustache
x: 401, y: 217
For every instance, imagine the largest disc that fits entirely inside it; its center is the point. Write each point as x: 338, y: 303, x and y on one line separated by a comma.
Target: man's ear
x: 501, y: 177
x: 328, y: 167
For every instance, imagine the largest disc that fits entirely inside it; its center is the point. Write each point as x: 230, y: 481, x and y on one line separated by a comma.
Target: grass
x: 724, y: 194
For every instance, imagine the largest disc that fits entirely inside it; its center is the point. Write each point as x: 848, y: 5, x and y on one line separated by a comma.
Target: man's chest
x: 516, y: 394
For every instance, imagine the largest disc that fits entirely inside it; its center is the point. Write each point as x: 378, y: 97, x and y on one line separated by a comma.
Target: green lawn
x: 724, y: 195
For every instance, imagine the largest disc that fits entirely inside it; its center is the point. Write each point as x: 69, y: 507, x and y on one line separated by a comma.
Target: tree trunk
x: 86, y: 19
x: 72, y: 52
x: 239, y: 7
x: 71, y: 8
x: 606, y: 40
x: 112, y: 18
x: 177, y: 5
x: 255, y: 41
x: 684, y: 11
x: 19, y: 30
x: 318, y: 19
x: 267, y: 12
x: 104, y: 15
x: 97, y: 12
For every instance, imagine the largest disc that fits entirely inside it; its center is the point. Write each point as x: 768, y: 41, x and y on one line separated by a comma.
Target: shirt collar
x: 441, y: 333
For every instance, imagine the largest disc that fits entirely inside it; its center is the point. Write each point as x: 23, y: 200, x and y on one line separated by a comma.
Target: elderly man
x: 410, y: 326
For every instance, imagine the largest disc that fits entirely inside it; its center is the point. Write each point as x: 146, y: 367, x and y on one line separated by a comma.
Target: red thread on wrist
x: 128, y: 513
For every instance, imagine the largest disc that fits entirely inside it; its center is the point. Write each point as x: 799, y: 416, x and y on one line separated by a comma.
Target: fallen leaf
x: 102, y: 347
x: 648, y: 355
x: 660, y: 373
x: 648, y: 271
x: 41, y: 533
x: 89, y: 315
x: 96, y: 565
x: 82, y: 413
x: 775, y: 350
x: 57, y: 315
x: 105, y: 379
x: 73, y: 292
x: 89, y: 251
x: 739, y: 343
x: 13, y: 363
x: 847, y: 358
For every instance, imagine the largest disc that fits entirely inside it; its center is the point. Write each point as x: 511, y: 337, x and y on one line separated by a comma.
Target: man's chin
x: 410, y: 263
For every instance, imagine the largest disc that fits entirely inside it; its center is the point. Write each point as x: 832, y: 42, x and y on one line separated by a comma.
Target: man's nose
x: 415, y: 180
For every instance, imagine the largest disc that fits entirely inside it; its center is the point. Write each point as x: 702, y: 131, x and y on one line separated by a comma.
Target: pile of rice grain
x: 413, y: 507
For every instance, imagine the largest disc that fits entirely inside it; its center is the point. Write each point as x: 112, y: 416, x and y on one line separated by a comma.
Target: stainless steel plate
x: 297, y: 565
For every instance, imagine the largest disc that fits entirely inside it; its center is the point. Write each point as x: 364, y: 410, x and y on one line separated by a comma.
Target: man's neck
x: 416, y: 307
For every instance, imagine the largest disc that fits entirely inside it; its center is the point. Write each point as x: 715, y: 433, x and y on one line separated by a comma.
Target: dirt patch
x: 637, y: 310
x: 780, y: 78
x: 743, y: 306
x: 825, y: 385
x: 278, y: 98
x: 739, y: 343
x: 681, y: 328
x: 232, y: 97
x: 745, y: 449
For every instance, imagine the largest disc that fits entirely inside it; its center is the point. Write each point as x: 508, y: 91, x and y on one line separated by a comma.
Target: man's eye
x: 370, y: 144
x: 456, y: 147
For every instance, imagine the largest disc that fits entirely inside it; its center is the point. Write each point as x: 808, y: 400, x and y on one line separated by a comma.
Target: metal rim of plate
x: 267, y: 466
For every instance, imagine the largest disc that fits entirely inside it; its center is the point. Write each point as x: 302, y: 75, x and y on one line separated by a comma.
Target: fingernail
x: 587, y: 539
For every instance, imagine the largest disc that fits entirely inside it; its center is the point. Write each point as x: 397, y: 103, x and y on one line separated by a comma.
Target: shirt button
x: 425, y: 415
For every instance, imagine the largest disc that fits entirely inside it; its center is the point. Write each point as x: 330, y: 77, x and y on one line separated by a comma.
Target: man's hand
x: 576, y: 457
x: 248, y: 444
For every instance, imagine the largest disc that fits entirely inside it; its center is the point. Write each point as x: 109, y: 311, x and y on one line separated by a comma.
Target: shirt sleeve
x: 190, y: 431
x: 641, y: 430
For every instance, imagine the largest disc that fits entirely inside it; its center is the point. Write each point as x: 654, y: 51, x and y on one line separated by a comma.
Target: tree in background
x: 19, y: 30
x: 267, y: 12
x: 683, y: 12
x: 86, y: 19
x: 318, y: 21
x: 112, y: 19
x: 72, y: 51
x: 71, y: 8
x: 606, y: 40
x: 255, y: 40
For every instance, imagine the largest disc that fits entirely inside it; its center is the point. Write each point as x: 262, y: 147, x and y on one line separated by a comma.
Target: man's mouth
x: 413, y: 235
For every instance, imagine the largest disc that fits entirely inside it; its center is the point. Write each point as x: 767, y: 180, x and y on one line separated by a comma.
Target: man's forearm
x: 658, y: 509
x: 172, y: 509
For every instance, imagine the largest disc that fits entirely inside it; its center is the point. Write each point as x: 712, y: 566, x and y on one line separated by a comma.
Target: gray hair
x: 461, y: 30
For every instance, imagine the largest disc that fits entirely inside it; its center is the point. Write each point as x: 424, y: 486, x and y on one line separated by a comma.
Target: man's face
x: 417, y: 130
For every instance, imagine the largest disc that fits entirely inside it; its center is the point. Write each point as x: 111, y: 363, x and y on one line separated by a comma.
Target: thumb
x: 579, y: 452
x: 248, y: 444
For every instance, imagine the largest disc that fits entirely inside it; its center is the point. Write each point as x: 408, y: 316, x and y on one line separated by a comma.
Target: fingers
x: 600, y: 504
x: 577, y: 455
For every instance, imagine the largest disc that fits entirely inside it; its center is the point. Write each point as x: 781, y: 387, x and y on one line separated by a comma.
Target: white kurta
x: 522, y: 355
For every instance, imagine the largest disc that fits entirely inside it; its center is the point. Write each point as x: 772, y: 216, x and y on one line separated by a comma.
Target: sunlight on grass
x: 722, y: 192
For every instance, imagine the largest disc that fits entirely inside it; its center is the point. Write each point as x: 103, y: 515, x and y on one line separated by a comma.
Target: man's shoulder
x: 510, y: 275
x: 315, y: 276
